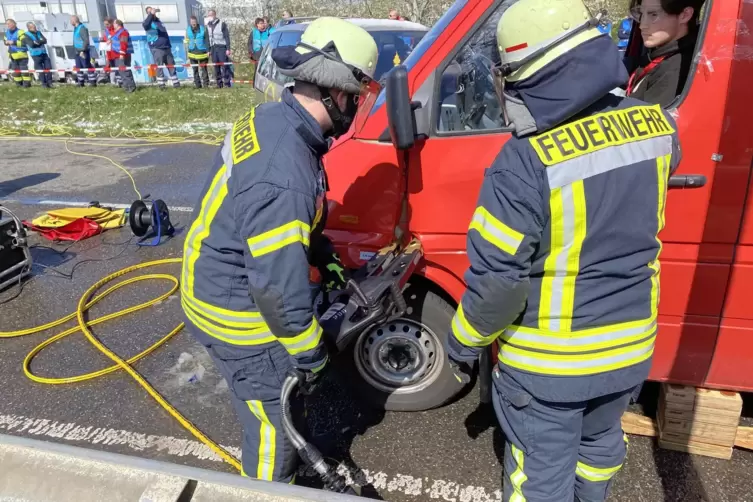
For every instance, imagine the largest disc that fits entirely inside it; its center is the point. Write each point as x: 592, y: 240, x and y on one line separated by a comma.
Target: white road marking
x: 421, y: 488
x: 69, y: 203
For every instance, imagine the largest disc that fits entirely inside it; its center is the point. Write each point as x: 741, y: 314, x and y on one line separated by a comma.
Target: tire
x: 427, y: 321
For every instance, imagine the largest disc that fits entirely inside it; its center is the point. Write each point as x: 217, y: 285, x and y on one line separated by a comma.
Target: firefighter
x: 83, y: 53
x: 219, y: 41
x: 18, y: 54
x: 197, y: 47
x: 35, y: 42
x: 564, y: 253
x: 121, y: 40
x: 246, y: 293
x: 159, y: 44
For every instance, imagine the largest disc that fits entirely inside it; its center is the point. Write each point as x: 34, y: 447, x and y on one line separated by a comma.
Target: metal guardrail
x: 33, y: 470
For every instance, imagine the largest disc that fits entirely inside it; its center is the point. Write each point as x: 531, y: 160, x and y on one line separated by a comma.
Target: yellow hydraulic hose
x: 86, y: 301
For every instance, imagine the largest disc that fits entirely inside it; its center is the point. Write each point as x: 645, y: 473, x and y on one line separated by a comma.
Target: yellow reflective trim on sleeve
x: 267, y: 440
x: 304, y: 341
x: 663, y: 164
x: 467, y: 334
x: 518, y: 477
x: 496, y: 232
x: 596, y: 474
x: 244, y: 142
x: 200, y: 228
x: 556, y: 247
x: 278, y: 238
x: 600, y: 131
x: 576, y: 364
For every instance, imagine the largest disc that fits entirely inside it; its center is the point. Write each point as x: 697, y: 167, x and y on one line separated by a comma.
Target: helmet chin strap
x: 341, y: 122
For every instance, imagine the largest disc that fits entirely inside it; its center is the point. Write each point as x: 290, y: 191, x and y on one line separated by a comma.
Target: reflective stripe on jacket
x: 197, y: 42
x: 571, y: 218
x: 245, y: 277
x: 17, y: 50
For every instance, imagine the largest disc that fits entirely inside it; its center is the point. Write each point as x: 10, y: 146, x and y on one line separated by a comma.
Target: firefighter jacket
x: 16, y: 49
x: 563, y: 244
x: 246, y: 256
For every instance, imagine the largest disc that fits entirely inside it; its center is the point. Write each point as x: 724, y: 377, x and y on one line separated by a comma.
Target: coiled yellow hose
x: 86, y: 301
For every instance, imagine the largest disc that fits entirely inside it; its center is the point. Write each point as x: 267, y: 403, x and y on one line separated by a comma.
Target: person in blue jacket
x: 197, y: 43
x: 36, y: 42
x: 82, y: 44
x: 160, y: 46
x: 259, y: 38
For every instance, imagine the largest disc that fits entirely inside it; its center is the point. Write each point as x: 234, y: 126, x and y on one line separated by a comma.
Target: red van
x: 428, y: 188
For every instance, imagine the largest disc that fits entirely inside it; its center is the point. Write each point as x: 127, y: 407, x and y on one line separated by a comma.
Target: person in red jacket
x: 124, y: 47
x: 112, y: 54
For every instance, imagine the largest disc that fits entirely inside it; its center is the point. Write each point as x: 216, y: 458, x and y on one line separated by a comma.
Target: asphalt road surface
x: 448, y: 454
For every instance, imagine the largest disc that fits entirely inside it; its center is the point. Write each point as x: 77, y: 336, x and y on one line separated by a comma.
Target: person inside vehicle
x: 246, y: 293
x: 669, y: 29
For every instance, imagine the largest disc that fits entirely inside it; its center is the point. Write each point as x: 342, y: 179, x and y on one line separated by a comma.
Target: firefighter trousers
x: 21, y: 65
x: 164, y: 57
x: 558, y: 451
x: 255, y: 377
x: 200, y: 73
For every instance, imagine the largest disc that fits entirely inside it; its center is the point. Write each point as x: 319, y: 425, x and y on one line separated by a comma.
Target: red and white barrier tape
x: 108, y: 69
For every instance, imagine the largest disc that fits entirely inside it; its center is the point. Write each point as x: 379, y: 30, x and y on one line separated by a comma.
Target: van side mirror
x: 400, y: 115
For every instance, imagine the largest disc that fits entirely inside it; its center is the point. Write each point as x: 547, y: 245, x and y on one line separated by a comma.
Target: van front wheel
x: 402, y: 365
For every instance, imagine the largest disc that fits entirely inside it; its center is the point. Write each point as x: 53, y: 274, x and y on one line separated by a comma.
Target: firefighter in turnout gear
x: 246, y: 292
x: 18, y: 54
x: 197, y: 45
x: 564, y: 253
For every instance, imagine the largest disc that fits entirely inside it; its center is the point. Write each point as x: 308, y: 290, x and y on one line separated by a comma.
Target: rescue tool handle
x: 687, y: 181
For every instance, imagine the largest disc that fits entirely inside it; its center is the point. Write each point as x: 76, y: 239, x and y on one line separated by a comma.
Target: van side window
x: 467, y: 100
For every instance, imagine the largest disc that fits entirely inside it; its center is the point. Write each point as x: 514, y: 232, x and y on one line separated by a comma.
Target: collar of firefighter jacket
x: 571, y: 83
x: 304, y: 123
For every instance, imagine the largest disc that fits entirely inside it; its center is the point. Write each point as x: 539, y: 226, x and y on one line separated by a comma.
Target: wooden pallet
x: 699, y: 421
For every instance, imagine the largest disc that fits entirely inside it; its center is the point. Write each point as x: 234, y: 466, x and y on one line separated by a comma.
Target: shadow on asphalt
x: 9, y: 187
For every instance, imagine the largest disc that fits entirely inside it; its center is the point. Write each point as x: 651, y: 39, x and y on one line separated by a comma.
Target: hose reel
x: 155, y: 216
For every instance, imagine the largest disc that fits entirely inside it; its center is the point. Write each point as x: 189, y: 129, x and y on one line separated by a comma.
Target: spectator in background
x: 83, y: 53
x: 35, y: 42
x: 197, y: 47
x: 18, y: 54
x: 623, y: 33
x: 287, y: 18
x: 219, y: 42
x: 259, y: 38
x: 394, y: 15
x: 121, y: 41
x: 669, y: 29
x: 160, y: 46
x: 112, y: 55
